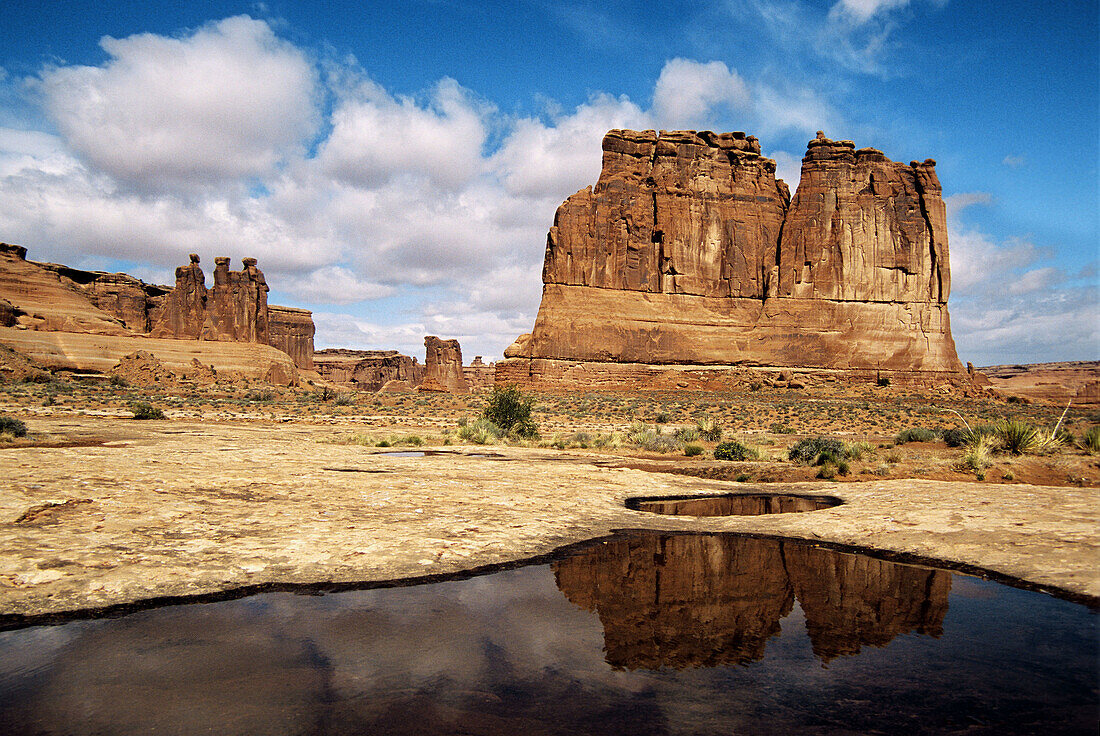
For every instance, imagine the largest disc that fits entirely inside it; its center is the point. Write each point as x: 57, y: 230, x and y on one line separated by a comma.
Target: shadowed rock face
x: 688, y: 251
x: 698, y: 601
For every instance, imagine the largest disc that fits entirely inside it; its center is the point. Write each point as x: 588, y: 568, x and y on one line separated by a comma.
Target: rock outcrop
x: 50, y: 297
x: 1049, y: 383
x: 479, y: 375
x: 689, y: 252
x: 367, y: 370
x: 291, y: 330
x: 705, y: 600
x: 443, y: 366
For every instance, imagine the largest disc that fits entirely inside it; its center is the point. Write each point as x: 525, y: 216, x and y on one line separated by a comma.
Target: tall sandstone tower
x: 688, y: 252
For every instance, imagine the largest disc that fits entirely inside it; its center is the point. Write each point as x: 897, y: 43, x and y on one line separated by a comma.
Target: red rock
x: 688, y: 252
x: 292, y: 330
x: 443, y: 367
x: 367, y: 370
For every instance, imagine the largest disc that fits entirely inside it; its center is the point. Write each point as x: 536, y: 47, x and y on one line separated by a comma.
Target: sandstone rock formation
x: 704, y: 600
x: 291, y: 330
x: 689, y: 252
x: 142, y: 368
x: 367, y: 370
x: 49, y: 297
x: 443, y: 366
x: 479, y: 375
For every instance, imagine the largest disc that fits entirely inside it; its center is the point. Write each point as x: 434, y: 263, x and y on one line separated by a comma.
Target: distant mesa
x: 689, y: 254
x: 389, y: 370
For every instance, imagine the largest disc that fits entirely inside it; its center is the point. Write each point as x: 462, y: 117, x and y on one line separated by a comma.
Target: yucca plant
x: 979, y: 454
x: 709, y: 429
x: 1018, y: 437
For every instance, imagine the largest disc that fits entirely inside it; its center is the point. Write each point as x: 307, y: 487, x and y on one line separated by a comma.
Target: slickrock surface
x: 689, y: 251
x: 178, y: 508
x: 443, y: 366
x: 100, y: 353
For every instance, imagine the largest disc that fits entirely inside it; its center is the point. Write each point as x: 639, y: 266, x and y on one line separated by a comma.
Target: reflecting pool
x: 641, y: 634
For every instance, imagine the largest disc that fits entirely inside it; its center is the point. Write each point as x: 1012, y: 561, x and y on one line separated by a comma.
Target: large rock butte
x: 688, y: 252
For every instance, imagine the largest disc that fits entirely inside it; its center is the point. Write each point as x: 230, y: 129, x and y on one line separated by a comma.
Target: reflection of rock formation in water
x: 696, y: 601
x: 681, y: 601
x: 852, y: 600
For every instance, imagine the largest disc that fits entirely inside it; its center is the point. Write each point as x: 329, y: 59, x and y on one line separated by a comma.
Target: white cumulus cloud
x: 230, y: 100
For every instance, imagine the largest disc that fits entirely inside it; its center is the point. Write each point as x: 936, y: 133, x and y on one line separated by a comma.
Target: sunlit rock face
x: 443, y: 366
x: 688, y: 251
x: 367, y: 370
x: 694, y: 601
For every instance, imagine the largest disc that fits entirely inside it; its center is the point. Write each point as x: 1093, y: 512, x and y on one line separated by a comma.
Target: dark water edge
x: 641, y: 633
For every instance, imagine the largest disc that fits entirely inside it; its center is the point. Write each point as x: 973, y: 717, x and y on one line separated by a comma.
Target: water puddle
x: 732, y: 504
x: 648, y: 633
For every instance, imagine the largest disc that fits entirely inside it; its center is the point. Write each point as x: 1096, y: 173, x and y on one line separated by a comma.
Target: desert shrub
x: 780, y: 428
x: 979, y: 454
x: 345, y: 399
x: 509, y: 410
x: 144, y: 410
x: 859, y: 450
x: 709, y: 429
x: 13, y: 427
x: 661, y: 418
x: 806, y: 451
x: 384, y: 443
x: 652, y: 439
x: 686, y: 434
x: 611, y: 441
x: 957, y: 436
x: 1018, y: 437
x: 412, y: 439
x: 734, y: 450
x: 691, y: 450
x: 117, y: 382
x: 916, y: 434
x: 37, y: 377
x: 580, y: 439
x: 883, y: 381
x: 480, y: 432
x: 1090, y: 440
x: 742, y: 477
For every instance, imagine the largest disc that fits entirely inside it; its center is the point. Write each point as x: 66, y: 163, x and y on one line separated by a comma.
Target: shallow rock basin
x: 640, y: 633
x: 733, y: 504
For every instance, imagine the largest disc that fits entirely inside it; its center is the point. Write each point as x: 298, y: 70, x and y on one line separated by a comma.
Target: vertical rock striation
x: 443, y: 366
x: 689, y: 252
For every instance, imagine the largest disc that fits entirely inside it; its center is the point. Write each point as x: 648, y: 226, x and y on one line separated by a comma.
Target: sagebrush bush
x: 144, y: 410
x: 687, y: 434
x: 691, y: 450
x: 12, y: 426
x: 916, y: 434
x: 509, y: 409
x: 480, y: 432
x: 734, y: 450
x: 806, y: 451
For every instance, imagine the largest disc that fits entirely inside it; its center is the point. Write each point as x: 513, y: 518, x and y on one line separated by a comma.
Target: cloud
x: 858, y: 12
x: 1014, y: 162
x: 333, y: 285
x: 688, y: 93
x: 230, y: 100
x: 376, y: 137
x: 1009, y: 303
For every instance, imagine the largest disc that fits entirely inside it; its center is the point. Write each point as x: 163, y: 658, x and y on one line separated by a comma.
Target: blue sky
x: 395, y: 166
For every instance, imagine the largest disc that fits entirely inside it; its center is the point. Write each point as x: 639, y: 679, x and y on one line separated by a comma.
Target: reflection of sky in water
x: 508, y: 653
